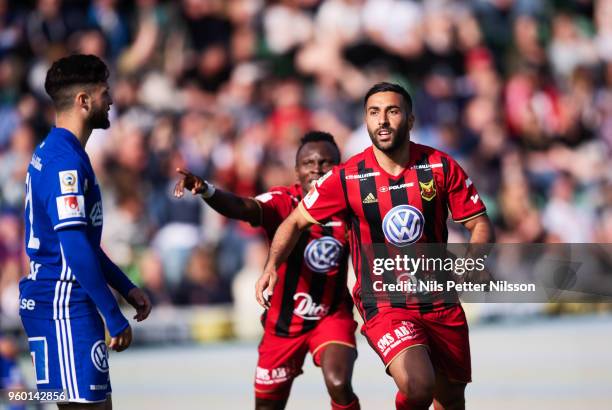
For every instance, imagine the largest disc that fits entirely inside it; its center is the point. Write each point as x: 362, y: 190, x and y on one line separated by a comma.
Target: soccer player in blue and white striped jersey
x: 70, y: 274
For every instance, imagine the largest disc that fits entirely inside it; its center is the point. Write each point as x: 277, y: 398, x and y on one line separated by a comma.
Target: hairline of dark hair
x: 383, y: 87
x: 332, y: 143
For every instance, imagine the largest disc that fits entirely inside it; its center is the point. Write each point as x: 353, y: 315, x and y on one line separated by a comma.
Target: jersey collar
x: 65, y: 136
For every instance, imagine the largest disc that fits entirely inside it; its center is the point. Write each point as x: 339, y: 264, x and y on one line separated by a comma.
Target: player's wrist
x: 208, y: 190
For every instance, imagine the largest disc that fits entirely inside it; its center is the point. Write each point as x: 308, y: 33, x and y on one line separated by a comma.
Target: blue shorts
x: 70, y: 355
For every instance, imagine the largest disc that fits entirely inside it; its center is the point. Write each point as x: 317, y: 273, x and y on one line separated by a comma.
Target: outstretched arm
x: 226, y: 203
x: 283, y: 243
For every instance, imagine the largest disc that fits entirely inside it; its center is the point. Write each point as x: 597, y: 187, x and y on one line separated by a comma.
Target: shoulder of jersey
x: 278, y: 191
x: 430, y: 150
x: 352, y: 161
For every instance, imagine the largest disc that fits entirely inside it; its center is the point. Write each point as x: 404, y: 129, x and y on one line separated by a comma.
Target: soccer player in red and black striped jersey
x: 394, y: 194
x: 312, y: 308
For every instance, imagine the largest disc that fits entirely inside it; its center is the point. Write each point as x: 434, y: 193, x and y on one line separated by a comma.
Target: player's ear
x: 410, y: 121
x: 83, y: 100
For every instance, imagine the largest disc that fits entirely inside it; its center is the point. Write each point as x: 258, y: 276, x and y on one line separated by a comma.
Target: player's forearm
x: 482, y: 236
x: 83, y: 262
x: 481, y: 231
x: 114, y: 275
x: 285, y: 239
x: 234, y: 206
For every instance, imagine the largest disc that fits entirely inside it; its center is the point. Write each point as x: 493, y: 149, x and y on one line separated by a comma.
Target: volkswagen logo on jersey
x: 322, y: 254
x: 403, y: 225
x: 99, y: 356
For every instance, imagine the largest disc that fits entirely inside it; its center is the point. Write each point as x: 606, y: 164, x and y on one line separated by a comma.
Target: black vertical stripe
x: 292, y: 277
x: 445, y: 170
x: 425, y: 175
x: 344, y: 190
x: 400, y: 197
x: 318, y: 282
x: 369, y: 303
x: 317, y: 287
x: 372, y: 214
x: 341, y: 283
x: 365, y: 280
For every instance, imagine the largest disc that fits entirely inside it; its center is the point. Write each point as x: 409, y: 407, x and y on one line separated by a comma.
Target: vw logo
x: 99, y: 356
x: 323, y: 254
x: 403, y: 225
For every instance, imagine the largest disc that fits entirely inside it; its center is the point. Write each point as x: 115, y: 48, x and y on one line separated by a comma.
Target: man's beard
x: 399, y: 138
x: 98, y: 119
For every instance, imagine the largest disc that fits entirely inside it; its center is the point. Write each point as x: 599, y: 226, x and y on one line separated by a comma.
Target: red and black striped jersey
x: 312, y: 282
x: 386, y: 213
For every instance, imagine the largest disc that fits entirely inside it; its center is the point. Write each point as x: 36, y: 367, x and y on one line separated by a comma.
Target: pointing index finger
x: 183, y: 172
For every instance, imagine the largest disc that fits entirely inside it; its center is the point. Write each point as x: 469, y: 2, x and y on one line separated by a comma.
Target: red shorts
x: 281, y: 358
x: 444, y: 333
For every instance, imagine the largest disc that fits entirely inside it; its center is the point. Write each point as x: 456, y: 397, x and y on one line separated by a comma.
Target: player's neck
x: 75, y: 126
x: 395, y: 162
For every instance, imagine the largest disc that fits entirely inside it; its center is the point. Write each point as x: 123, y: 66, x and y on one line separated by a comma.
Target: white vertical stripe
x: 60, y: 303
x: 66, y: 360
x: 62, y: 277
x: 70, y: 344
x: 64, y: 357
x: 55, y: 299
x: 60, y: 357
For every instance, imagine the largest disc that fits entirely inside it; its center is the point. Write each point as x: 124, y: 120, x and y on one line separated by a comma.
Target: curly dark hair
x: 71, y: 74
x: 318, y: 136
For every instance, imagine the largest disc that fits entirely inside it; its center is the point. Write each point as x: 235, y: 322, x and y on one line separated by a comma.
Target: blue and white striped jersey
x: 61, y: 192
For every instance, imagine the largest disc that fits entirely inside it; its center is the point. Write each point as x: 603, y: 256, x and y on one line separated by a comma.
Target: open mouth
x: 384, y: 134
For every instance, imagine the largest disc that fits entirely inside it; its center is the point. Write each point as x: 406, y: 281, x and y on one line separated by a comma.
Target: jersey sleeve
x: 463, y: 199
x: 325, y: 199
x: 64, y: 183
x: 274, y: 209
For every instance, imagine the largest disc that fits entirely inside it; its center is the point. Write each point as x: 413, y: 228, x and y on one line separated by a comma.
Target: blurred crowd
x: 518, y: 91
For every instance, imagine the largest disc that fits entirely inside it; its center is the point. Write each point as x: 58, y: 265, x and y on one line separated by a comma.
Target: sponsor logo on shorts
x: 307, y: 309
x: 98, y: 387
x: 272, y: 376
x: 99, y: 356
x: 402, y: 332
